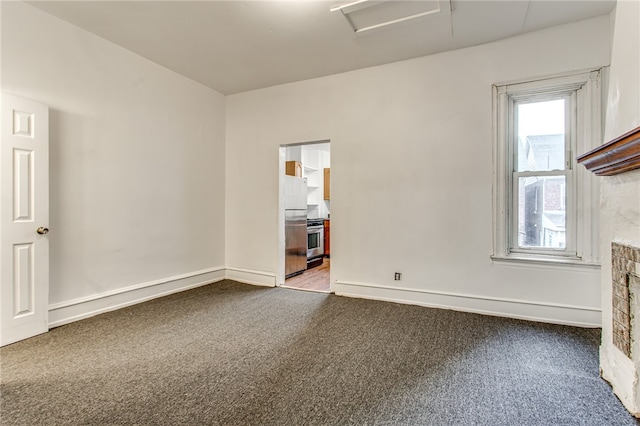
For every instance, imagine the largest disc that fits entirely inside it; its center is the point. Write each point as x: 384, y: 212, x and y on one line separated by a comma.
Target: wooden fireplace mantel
x: 617, y: 156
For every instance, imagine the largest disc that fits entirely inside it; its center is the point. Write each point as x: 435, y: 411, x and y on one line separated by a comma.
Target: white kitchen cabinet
x: 315, y: 158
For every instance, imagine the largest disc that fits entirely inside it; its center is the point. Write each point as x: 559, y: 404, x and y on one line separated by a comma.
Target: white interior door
x: 24, y: 217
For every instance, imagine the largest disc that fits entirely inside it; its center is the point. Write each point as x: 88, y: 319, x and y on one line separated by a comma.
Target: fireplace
x: 618, y: 162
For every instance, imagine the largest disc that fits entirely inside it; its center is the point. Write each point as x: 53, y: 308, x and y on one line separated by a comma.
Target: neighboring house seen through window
x: 545, y: 205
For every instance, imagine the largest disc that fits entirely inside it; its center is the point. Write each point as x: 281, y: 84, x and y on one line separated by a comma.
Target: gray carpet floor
x: 233, y: 354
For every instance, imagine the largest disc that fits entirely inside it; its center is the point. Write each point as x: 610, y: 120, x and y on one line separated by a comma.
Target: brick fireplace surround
x: 625, y: 271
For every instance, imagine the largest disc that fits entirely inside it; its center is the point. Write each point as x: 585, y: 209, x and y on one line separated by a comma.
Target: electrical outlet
x: 398, y: 276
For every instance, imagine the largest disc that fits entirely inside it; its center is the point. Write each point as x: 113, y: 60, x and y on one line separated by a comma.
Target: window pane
x: 541, y: 212
x: 541, y: 136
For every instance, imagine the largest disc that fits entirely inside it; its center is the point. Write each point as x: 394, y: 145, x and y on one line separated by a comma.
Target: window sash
x: 514, y: 246
x: 570, y: 114
x: 570, y: 117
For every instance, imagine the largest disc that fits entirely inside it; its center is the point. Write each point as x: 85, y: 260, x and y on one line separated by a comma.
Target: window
x: 545, y: 205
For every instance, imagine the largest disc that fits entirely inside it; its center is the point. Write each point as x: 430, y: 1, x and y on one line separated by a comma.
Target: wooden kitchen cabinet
x: 293, y: 168
x: 327, y: 184
x: 327, y: 237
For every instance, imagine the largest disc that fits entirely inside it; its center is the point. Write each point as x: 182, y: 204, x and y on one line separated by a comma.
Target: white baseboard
x: 247, y: 276
x: 580, y: 316
x: 85, y: 307
x: 77, y: 309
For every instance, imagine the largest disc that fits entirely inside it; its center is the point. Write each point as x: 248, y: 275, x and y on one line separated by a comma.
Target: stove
x: 315, y: 242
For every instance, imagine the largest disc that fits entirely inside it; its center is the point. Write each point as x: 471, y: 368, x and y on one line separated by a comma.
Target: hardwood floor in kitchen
x: 315, y: 279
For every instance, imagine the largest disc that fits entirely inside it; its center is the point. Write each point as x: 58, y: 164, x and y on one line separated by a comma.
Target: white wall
x: 137, y: 165
x: 620, y: 194
x: 411, y: 160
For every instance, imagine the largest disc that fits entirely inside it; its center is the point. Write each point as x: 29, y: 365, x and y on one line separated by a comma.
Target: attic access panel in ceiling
x: 367, y: 15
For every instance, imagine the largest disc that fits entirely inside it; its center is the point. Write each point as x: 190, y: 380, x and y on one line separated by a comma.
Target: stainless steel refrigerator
x: 295, y: 225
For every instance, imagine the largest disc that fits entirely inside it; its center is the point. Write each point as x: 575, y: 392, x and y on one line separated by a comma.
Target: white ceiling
x: 235, y: 46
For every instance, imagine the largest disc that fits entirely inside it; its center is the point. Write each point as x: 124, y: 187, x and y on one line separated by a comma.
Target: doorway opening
x: 305, y: 216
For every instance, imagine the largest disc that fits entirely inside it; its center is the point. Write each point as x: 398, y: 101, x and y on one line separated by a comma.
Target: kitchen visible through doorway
x: 306, y: 203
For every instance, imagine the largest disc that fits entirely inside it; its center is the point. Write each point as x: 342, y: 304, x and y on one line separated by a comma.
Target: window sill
x: 544, y: 261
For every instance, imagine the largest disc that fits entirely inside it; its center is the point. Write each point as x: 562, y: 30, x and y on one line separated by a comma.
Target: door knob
x: 42, y: 230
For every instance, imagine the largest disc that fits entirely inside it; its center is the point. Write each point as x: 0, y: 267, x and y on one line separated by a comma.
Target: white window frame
x: 584, y: 94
